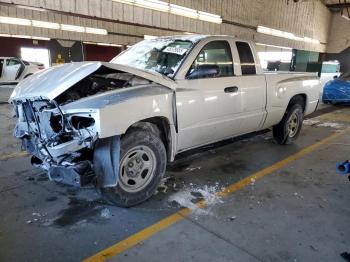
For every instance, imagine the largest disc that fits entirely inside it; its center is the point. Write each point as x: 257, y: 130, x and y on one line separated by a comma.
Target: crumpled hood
x: 50, y: 83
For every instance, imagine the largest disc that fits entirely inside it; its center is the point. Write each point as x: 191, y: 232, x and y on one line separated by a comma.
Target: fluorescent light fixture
x: 102, y: 44
x: 283, y: 34
x: 44, y: 24
x: 209, y: 17
x: 174, y: 9
x: 153, y: 4
x: 149, y: 37
x: 5, y: 35
x: 276, y: 46
x: 73, y: 28
x: 116, y: 45
x: 183, y: 11
x: 106, y: 44
x: 97, y: 31
x: 130, y: 2
x: 22, y: 36
x: 40, y: 38
x: 50, y: 25
x: 14, y: 21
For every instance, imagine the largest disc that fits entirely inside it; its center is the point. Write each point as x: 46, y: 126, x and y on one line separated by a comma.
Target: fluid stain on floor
x: 80, y: 210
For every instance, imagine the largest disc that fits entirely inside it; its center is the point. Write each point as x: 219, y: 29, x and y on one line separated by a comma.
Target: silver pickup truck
x: 117, y: 124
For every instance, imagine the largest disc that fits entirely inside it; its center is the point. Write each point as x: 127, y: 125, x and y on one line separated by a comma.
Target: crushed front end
x: 60, y: 143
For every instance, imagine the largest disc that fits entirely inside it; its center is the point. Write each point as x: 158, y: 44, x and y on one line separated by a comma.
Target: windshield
x: 162, y: 55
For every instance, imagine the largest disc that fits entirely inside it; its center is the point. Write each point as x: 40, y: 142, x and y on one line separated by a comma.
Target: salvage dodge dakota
x: 117, y: 124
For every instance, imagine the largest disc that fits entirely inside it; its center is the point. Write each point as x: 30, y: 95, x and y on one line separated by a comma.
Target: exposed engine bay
x: 101, y: 81
x: 63, y: 143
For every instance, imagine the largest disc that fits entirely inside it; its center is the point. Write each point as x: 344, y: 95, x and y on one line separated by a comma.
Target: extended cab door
x: 208, y: 97
x: 252, y: 84
x: 11, y: 69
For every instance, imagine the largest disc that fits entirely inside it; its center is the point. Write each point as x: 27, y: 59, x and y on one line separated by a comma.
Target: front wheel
x: 142, y: 166
x: 289, y: 128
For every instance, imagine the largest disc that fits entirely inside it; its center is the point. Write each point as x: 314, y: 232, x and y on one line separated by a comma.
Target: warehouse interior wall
x: 128, y: 24
x: 339, y: 34
x: 100, y: 53
x: 343, y: 57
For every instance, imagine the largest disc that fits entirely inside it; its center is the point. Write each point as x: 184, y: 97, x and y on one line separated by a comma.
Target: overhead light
x: 106, y: 44
x: 130, y: 2
x: 22, y: 36
x: 283, y: 34
x: 73, y: 28
x: 14, y: 21
x: 183, y: 11
x: 149, y: 37
x: 209, y: 17
x: 40, y: 38
x: 44, y: 24
x: 102, y: 44
x: 153, y: 4
x: 174, y: 9
x: 276, y: 46
x: 96, y: 31
x: 50, y: 25
x: 26, y: 37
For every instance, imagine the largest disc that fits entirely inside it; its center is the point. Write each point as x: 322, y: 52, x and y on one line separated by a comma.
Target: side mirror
x: 204, y: 71
x: 335, y: 77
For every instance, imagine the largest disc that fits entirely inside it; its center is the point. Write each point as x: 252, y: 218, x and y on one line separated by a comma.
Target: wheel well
x: 27, y: 75
x: 298, y: 99
x: 159, y: 126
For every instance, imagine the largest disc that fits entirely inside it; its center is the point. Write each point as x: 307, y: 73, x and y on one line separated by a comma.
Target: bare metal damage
x: 65, y: 128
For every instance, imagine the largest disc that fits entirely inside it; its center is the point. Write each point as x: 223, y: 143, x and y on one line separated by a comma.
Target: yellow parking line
x: 148, y: 232
x: 12, y: 155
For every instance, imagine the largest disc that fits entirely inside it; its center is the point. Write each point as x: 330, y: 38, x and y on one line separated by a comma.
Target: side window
x: 214, y: 60
x: 246, y: 57
x: 11, y: 62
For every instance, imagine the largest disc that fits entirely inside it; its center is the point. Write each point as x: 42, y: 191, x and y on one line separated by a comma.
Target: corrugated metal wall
x: 310, y: 18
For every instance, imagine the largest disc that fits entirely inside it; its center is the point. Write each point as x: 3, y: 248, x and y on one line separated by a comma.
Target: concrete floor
x: 298, y: 213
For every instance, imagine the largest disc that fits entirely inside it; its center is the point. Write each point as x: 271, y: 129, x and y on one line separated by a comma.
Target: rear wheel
x: 289, y: 128
x: 142, y: 166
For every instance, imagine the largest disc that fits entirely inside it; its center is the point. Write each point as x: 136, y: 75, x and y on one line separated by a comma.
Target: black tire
x: 138, y: 137
x: 281, y: 132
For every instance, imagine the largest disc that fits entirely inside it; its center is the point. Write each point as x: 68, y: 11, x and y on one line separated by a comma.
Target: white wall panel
x: 307, y: 18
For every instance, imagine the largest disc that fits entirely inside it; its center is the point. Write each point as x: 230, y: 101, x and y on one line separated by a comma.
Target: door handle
x: 231, y: 89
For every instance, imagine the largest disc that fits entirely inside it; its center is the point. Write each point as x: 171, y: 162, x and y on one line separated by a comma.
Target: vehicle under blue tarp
x: 337, y: 90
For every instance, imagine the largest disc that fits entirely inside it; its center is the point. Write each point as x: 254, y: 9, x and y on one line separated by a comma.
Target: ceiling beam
x: 342, y: 5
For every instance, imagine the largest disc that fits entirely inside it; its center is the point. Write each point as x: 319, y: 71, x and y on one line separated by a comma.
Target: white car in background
x: 13, y: 70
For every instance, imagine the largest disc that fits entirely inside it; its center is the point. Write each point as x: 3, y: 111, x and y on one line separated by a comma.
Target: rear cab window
x: 215, y: 55
x: 246, y: 57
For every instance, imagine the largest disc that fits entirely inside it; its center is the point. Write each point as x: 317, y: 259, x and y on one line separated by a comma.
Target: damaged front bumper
x: 61, y: 144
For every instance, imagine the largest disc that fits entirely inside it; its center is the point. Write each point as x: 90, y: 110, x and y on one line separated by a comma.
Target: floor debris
x: 106, y: 213
x: 192, y: 194
x: 190, y: 169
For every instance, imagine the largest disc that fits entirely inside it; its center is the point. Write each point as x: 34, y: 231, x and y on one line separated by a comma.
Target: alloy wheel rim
x: 293, y: 124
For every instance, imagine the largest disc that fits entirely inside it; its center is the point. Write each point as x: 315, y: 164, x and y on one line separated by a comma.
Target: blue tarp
x: 338, y: 90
